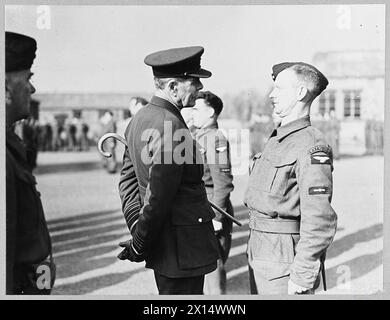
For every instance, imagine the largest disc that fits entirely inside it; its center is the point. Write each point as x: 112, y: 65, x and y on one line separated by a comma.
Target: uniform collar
x: 202, y: 131
x: 163, y: 103
x: 291, y: 127
x: 15, y: 144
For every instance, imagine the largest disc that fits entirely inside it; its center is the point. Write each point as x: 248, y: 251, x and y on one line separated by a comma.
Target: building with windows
x: 87, y: 106
x: 354, y: 97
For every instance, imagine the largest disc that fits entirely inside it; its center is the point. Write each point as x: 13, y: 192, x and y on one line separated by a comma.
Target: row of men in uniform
x: 166, y: 206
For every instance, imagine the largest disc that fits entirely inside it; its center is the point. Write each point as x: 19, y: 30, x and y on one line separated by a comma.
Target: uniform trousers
x: 270, y: 256
x: 189, y: 285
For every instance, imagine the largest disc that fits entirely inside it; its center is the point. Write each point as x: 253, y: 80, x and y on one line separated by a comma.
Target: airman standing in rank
x: 217, y: 177
x: 289, y: 193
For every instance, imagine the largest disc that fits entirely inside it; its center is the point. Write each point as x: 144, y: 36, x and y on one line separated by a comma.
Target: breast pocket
x: 196, y: 242
x: 279, y: 170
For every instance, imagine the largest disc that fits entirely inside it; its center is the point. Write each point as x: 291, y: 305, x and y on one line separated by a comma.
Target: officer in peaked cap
x: 291, y: 220
x: 28, y: 239
x: 177, y: 62
x: 163, y: 196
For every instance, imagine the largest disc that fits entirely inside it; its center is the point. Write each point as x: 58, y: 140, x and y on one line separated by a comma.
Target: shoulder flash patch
x: 319, y: 190
x: 320, y: 159
x: 321, y: 148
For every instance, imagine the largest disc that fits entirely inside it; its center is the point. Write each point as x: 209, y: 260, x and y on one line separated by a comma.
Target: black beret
x: 277, y: 68
x: 177, y: 62
x: 20, y: 51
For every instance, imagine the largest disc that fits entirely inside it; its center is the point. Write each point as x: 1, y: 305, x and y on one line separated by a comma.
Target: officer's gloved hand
x: 217, y: 226
x: 129, y: 253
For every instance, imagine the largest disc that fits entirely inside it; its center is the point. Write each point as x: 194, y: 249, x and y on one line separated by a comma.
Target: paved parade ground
x: 82, y: 206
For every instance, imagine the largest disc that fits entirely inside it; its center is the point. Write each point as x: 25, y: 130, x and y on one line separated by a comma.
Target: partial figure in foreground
x: 29, y: 263
x: 289, y: 193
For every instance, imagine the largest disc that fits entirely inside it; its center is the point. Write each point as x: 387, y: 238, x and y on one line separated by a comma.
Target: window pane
x: 357, y: 104
x: 332, y: 102
x: 347, y: 104
x: 321, y: 105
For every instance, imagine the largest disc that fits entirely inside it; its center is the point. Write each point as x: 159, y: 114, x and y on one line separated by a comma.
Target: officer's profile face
x: 285, y: 93
x: 19, y: 90
x: 201, y: 113
x: 187, y: 91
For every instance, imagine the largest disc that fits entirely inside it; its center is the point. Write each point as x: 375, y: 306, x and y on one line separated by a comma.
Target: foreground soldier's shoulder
x: 314, y: 147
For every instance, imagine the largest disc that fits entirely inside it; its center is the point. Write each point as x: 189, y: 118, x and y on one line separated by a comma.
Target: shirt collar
x: 291, y: 127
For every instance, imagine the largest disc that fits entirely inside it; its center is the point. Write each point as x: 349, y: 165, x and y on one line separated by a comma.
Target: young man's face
x: 284, y: 95
x: 187, y: 91
x: 19, y: 90
x: 201, y: 113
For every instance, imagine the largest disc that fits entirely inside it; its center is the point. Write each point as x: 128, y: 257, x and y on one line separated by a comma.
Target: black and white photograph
x: 196, y: 150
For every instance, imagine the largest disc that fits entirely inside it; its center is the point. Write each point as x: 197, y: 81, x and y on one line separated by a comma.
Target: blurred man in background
x: 136, y: 104
x: 218, y: 178
x: 29, y: 264
x: 289, y: 193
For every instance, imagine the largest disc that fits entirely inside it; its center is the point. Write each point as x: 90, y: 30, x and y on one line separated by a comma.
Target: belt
x: 274, y: 225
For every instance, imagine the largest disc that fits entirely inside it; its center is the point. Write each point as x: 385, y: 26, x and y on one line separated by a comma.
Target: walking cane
x: 121, y: 139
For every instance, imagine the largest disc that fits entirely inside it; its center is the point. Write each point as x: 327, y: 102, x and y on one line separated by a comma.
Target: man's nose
x: 200, y: 85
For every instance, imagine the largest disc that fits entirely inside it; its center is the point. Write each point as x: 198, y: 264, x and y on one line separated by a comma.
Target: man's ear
x: 211, y: 112
x: 302, y: 93
x: 172, y: 86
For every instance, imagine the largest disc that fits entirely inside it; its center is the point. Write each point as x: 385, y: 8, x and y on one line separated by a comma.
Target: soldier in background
x: 217, y: 177
x: 107, y: 125
x: 29, y: 264
x: 136, y: 104
x: 84, y: 140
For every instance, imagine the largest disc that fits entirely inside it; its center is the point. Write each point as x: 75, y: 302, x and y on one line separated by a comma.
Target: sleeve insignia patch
x: 319, y: 190
x: 320, y: 159
x: 221, y: 149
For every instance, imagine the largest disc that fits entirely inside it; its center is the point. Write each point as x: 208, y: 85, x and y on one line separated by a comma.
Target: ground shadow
x: 67, y: 167
x: 349, y: 241
x: 74, y: 251
x: 92, y: 284
x: 356, y: 268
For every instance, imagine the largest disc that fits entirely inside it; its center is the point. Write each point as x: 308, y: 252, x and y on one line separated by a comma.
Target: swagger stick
x: 121, y: 139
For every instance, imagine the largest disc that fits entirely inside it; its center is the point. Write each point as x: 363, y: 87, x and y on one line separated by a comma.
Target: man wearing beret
x: 168, y: 212
x: 29, y: 265
x: 291, y: 220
